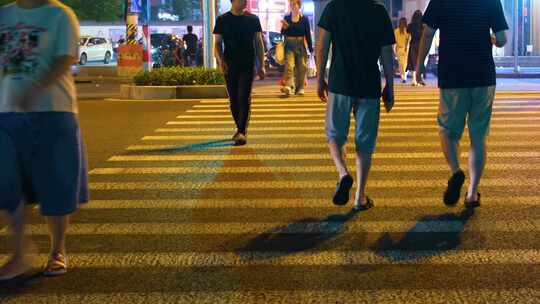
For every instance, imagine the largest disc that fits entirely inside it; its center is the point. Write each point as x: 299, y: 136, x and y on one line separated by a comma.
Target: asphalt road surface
x: 179, y: 215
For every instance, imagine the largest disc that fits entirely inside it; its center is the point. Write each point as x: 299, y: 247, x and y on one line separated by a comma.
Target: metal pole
x: 147, y: 33
x: 516, y: 37
x: 209, y: 17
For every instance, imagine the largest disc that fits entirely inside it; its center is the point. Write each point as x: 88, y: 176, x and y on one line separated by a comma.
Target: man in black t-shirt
x: 191, y: 40
x: 468, y: 30
x: 241, y: 33
x: 360, y: 33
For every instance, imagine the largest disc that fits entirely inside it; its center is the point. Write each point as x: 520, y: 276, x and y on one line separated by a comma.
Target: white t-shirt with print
x: 30, y: 41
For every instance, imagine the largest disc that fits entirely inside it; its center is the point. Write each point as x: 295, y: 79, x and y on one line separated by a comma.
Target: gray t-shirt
x: 30, y: 41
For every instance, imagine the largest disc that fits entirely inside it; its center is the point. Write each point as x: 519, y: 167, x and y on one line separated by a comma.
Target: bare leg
x: 57, y: 233
x: 451, y: 151
x: 363, y: 164
x: 339, y: 156
x: 18, y: 263
x: 477, y: 161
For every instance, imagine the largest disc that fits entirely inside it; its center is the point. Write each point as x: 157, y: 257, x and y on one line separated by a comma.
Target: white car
x: 94, y: 49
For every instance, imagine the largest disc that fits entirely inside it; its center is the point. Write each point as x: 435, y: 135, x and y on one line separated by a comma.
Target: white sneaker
x: 286, y: 90
x: 301, y: 93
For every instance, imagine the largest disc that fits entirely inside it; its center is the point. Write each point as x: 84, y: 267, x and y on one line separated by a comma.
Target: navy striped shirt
x: 465, y: 49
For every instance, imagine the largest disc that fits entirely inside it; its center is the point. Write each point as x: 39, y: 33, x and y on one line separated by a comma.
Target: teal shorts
x: 471, y: 106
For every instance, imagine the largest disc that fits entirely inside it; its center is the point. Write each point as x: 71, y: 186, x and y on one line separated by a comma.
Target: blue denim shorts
x: 42, y: 160
x: 367, y: 114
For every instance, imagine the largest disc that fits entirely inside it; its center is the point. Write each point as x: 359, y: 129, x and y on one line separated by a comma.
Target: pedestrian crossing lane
x: 263, y: 211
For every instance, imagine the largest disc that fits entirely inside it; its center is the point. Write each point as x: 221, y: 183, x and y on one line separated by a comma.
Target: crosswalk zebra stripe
x: 320, y: 258
x: 272, y: 203
x: 321, y: 128
x: 381, y: 296
x: 384, y: 119
x: 295, y: 184
x: 321, y: 135
x: 302, y: 156
x: 280, y: 103
x: 298, y: 169
x: 322, y: 109
x: 316, y: 227
x: 297, y: 115
x: 286, y: 146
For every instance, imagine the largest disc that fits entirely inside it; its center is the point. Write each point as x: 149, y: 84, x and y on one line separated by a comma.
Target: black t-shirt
x: 299, y: 29
x: 238, y: 36
x: 192, y: 42
x: 465, y: 49
x: 359, y: 30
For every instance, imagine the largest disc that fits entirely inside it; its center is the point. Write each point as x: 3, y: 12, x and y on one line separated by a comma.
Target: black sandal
x: 362, y: 207
x: 474, y: 204
x: 453, y: 191
x: 341, y: 196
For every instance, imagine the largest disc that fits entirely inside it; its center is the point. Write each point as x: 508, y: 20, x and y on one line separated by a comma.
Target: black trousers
x: 239, y: 84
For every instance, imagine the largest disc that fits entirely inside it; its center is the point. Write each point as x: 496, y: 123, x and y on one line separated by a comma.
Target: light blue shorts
x: 367, y: 114
x: 42, y: 160
x: 473, y: 106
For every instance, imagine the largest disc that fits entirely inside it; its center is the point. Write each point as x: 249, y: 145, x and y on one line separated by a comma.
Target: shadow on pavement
x: 193, y: 147
x: 11, y: 289
x: 418, y: 244
x: 298, y: 236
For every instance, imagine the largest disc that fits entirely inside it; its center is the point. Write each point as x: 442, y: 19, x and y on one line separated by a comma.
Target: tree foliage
x: 94, y: 10
x: 113, y: 10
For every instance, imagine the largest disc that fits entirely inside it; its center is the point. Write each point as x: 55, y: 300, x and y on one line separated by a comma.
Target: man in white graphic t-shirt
x: 42, y: 155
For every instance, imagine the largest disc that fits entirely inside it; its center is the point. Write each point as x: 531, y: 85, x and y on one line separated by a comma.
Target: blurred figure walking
x: 297, y: 32
x: 402, y: 47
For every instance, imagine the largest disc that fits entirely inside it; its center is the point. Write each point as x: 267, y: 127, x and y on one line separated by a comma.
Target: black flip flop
x: 341, y: 197
x: 474, y: 204
x: 453, y: 191
x: 362, y: 207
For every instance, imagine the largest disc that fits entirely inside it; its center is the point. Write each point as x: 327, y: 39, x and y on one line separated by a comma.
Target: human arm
x: 309, y: 41
x: 259, y: 50
x: 499, y: 39
x: 65, y: 54
x: 498, y: 24
x: 219, y: 54
x: 323, y: 49
x: 387, y: 59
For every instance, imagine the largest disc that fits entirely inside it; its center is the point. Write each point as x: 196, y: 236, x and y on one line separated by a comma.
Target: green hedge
x: 179, y: 76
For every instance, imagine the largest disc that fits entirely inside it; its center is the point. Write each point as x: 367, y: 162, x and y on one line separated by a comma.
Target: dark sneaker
x: 239, y: 139
x: 365, y: 206
x: 453, y: 191
x: 473, y: 204
x: 341, y: 197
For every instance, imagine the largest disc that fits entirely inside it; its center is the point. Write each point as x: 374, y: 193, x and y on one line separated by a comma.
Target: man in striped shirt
x: 468, y: 31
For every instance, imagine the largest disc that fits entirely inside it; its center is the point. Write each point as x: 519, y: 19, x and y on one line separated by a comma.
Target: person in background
x: 402, y: 47
x: 42, y: 156
x: 415, y: 30
x: 467, y: 82
x: 360, y: 33
x: 241, y: 34
x: 297, y: 32
x: 192, y: 44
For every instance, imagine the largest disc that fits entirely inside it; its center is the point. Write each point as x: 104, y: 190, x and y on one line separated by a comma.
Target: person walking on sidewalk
x: 241, y: 33
x: 192, y: 43
x: 41, y: 156
x: 466, y: 81
x: 402, y: 47
x: 297, y: 32
x: 360, y: 33
x: 415, y: 30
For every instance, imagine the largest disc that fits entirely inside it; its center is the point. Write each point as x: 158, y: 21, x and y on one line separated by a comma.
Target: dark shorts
x: 42, y: 159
